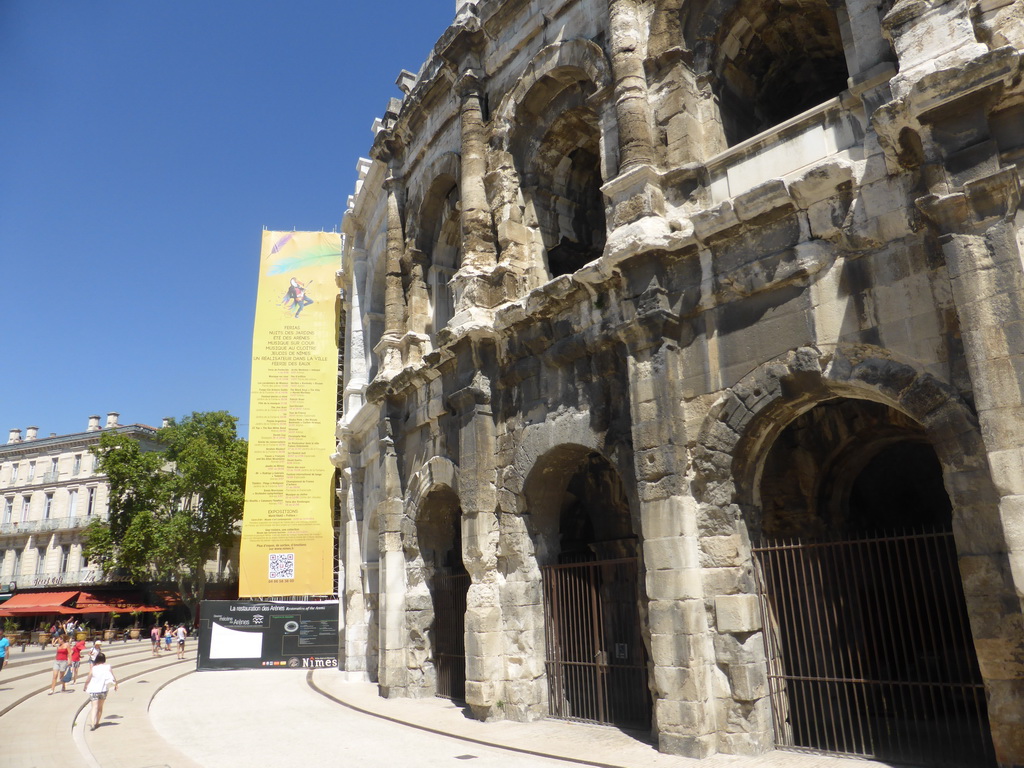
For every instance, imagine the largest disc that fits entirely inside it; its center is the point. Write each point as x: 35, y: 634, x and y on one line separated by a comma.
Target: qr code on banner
x: 282, y: 565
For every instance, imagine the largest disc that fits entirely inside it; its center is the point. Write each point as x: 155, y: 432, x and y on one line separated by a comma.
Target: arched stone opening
x: 768, y: 62
x: 581, y: 523
x: 436, y: 598
x: 851, y: 468
x: 811, y: 409
x: 440, y: 239
x: 558, y: 154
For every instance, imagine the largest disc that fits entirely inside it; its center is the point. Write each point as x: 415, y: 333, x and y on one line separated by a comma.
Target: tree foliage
x: 171, y: 509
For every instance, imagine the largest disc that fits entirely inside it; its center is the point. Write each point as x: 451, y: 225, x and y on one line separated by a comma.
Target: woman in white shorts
x: 100, y: 678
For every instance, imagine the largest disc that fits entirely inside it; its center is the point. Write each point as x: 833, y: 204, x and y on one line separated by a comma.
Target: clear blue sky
x: 144, y: 145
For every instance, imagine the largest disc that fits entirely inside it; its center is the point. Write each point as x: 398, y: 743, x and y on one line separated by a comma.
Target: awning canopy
x: 114, y: 602
x: 75, y: 603
x: 39, y: 604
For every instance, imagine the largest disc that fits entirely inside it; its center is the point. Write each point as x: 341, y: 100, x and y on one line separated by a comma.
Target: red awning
x: 40, y: 599
x: 39, y: 604
x: 114, y: 602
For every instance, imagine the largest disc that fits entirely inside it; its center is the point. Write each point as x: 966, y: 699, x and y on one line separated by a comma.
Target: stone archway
x: 731, y: 457
x: 436, y: 583
x: 581, y: 525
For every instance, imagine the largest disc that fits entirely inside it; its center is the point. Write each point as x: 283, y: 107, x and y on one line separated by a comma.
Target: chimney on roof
x: 14, y: 436
x: 31, y: 433
x: 165, y: 423
x: 112, y: 419
x: 94, y: 424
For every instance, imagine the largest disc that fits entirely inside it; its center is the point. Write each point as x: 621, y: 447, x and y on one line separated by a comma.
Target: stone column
x: 986, y: 268
x: 388, y: 349
x: 478, y: 247
x: 479, y: 252
x: 354, y: 628
x: 416, y: 342
x: 356, y: 370
x: 393, y: 674
x: 632, y: 105
x: 681, y: 651
x: 485, y: 671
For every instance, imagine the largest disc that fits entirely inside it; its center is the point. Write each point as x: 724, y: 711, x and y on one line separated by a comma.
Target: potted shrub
x: 11, y: 630
x: 110, y: 633
x: 134, y: 632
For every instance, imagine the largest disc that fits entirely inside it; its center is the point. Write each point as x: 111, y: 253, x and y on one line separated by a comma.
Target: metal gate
x: 870, y: 652
x: 596, y: 662
x: 450, y: 633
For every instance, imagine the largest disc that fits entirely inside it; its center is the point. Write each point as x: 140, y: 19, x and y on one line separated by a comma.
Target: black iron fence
x: 870, y: 651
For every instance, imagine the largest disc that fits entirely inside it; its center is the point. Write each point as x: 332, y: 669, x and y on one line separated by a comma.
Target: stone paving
x: 165, y: 714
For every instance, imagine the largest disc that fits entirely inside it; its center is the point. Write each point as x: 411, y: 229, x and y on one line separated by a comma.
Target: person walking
x: 60, y: 666
x: 154, y: 636
x: 93, y: 653
x: 4, y: 645
x: 167, y: 635
x: 100, y: 677
x: 76, y: 659
x: 180, y: 634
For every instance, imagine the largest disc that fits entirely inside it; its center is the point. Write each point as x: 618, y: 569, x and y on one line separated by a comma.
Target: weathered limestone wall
x: 865, y: 249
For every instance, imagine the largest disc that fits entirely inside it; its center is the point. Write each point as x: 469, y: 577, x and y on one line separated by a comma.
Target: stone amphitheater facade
x: 641, y: 294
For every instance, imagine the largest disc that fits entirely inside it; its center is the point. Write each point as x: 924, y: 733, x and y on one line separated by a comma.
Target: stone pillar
x: 479, y: 250
x: 350, y: 588
x: 416, y: 342
x: 680, y: 643
x: 388, y: 350
x: 478, y: 247
x: 393, y: 674
x: 485, y: 670
x: 635, y: 193
x: 632, y: 105
x: 986, y: 269
x: 356, y: 370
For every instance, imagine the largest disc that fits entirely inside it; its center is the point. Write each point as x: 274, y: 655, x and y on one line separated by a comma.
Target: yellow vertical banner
x: 287, y: 526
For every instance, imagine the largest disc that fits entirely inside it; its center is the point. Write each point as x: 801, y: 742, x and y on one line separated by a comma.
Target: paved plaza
x: 167, y: 714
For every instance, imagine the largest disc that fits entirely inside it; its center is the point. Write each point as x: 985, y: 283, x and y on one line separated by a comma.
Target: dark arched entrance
x: 439, y: 533
x: 596, y: 662
x: 870, y: 651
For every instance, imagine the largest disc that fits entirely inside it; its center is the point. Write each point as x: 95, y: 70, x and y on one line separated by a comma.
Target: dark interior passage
x: 866, y: 626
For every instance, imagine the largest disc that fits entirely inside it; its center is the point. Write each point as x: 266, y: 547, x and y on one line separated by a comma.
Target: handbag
x: 68, y: 674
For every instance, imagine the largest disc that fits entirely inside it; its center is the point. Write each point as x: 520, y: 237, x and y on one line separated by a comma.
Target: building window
x: 78, y: 464
x: 31, y: 471
x: 72, y: 502
x: 40, y: 561
x: 90, y: 506
x: 8, y: 509
x: 14, y: 473
x: 17, y: 563
x: 65, y: 554
x: 48, y: 506
x: 26, y: 505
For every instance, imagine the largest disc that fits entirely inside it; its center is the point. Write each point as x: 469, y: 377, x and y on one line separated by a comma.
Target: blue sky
x: 144, y: 146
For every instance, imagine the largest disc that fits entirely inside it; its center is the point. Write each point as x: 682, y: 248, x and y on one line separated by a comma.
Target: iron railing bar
x: 767, y: 637
x: 800, y: 643
x: 924, y: 620
x: 765, y: 545
x: 854, y: 661
x: 815, y: 590
x: 787, y: 658
x: 831, y: 621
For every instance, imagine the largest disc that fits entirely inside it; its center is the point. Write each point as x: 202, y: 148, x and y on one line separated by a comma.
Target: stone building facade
x: 645, y: 297
x: 50, y: 490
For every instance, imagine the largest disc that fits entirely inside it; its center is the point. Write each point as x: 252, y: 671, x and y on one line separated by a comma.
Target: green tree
x: 169, y: 510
